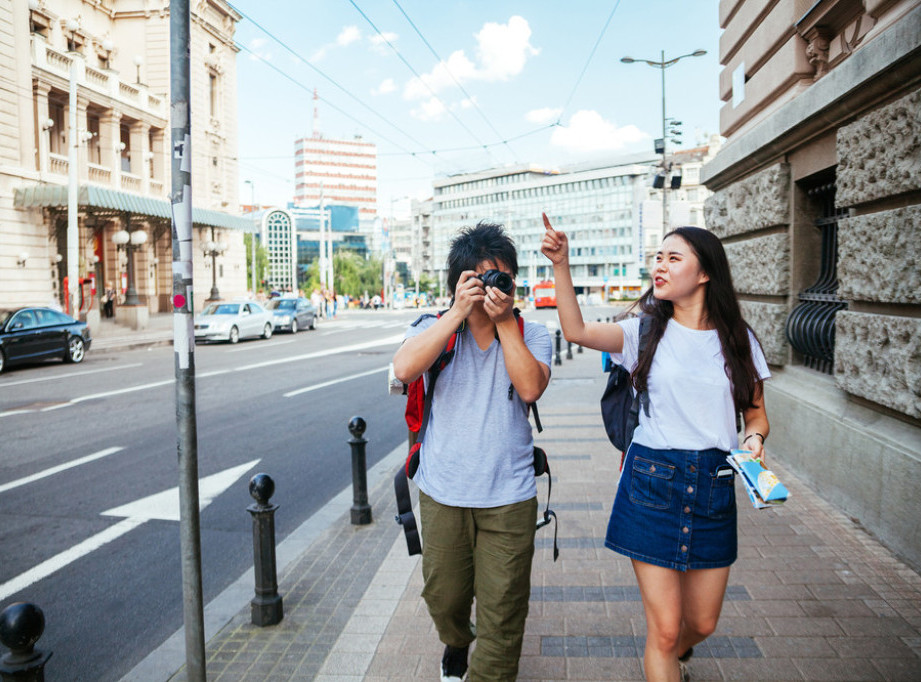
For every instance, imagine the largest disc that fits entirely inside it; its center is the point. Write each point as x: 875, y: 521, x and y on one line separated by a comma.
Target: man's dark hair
x: 486, y: 241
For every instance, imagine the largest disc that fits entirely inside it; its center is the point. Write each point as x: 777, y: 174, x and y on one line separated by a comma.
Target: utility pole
x: 73, y: 149
x: 184, y: 338
x: 252, y: 241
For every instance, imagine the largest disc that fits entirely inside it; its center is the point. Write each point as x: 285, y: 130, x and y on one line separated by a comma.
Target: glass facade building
x: 598, y: 206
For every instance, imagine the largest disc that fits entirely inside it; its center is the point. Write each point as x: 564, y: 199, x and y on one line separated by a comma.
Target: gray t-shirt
x: 478, y: 449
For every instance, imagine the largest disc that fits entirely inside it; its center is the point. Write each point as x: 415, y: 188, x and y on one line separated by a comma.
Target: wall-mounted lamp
x: 72, y: 27
x: 47, y: 123
x: 122, y: 146
x: 138, y: 60
x: 93, y: 259
x: 57, y: 258
x: 148, y: 155
x: 22, y: 258
x: 86, y: 135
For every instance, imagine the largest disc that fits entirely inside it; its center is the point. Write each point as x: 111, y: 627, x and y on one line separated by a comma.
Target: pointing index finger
x: 547, y: 222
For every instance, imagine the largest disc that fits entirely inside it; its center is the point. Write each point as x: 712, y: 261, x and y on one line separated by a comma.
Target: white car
x: 232, y: 321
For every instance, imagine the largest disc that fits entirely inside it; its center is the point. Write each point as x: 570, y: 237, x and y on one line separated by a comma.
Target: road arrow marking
x: 163, y: 506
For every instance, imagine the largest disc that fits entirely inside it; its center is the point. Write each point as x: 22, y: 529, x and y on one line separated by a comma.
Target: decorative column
x: 41, y: 91
x: 109, y: 139
x: 83, y: 171
x: 140, y: 146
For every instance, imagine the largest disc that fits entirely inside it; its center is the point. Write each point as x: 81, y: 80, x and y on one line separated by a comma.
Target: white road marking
x: 163, y: 505
x: 333, y: 382
x: 69, y: 375
x: 57, y: 469
x: 256, y: 346
x: 390, y: 340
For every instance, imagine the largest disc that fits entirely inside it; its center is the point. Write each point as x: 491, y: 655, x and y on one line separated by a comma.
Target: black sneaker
x: 454, y: 664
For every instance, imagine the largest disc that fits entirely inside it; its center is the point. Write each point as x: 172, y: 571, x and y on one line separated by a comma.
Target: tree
x: 262, y: 260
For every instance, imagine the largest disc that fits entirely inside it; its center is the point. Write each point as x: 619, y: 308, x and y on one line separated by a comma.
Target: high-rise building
x: 598, y: 205
x: 336, y: 171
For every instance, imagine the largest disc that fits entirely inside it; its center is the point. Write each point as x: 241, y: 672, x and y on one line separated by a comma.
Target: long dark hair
x: 723, y: 313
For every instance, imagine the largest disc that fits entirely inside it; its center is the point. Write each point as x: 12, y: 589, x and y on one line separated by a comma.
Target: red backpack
x: 418, y: 406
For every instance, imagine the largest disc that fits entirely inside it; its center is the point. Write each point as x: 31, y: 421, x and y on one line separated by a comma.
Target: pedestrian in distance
x: 478, y: 498
x: 108, y: 300
x: 674, y: 512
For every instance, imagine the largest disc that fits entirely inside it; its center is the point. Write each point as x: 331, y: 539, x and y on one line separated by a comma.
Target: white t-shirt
x: 690, y: 397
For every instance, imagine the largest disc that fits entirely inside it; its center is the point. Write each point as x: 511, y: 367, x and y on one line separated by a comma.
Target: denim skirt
x: 675, y: 508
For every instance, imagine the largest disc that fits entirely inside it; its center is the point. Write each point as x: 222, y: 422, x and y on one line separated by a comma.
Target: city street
x: 84, y: 445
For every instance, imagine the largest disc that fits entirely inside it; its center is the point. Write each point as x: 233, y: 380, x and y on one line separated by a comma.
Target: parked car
x: 232, y: 321
x: 293, y: 313
x: 30, y: 334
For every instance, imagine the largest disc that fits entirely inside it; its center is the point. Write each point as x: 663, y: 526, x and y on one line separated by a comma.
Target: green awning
x: 44, y: 195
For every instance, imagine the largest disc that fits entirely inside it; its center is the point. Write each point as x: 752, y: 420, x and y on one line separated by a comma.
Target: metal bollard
x: 361, y: 510
x: 569, y: 350
x: 579, y: 348
x: 266, y: 606
x: 558, y: 360
x: 21, y: 626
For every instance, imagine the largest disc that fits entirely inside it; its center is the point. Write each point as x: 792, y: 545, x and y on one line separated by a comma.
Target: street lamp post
x: 663, y: 64
x: 130, y: 241
x: 213, y: 249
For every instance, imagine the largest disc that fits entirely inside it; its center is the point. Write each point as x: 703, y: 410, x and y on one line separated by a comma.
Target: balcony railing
x: 57, y: 164
x: 156, y: 188
x: 130, y: 182
x: 99, y: 174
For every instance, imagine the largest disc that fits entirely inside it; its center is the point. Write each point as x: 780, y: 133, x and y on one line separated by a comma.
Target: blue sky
x: 505, y: 71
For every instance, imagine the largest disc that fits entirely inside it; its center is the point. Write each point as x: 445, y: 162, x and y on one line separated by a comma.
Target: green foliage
x: 262, y: 261
x: 352, y: 274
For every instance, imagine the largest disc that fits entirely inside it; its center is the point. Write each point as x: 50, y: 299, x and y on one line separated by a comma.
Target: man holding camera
x: 478, y: 498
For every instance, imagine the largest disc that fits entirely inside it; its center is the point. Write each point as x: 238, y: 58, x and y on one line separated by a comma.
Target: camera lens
x: 498, y: 279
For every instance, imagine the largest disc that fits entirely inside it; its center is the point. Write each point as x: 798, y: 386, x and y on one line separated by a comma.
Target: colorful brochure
x: 763, y: 487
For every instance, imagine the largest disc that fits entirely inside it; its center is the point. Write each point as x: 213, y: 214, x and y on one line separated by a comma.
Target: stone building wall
x: 879, y: 256
x: 739, y: 214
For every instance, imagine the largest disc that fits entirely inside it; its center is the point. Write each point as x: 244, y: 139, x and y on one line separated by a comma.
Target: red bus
x: 544, y: 294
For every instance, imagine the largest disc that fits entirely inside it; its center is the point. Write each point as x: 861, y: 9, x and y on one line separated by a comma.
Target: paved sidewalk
x: 812, y: 596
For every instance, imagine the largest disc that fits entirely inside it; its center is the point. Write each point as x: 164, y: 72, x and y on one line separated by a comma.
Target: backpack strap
x: 641, y: 398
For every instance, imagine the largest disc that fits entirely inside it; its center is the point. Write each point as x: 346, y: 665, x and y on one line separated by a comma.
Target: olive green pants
x: 486, y: 554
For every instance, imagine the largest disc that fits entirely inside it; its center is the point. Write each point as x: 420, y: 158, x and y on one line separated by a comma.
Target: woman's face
x: 677, y: 273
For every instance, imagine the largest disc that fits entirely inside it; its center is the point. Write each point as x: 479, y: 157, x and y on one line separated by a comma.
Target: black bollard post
x: 569, y: 350
x: 266, y: 606
x: 579, y: 348
x: 361, y: 510
x: 558, y: 360
x: 21, y: 626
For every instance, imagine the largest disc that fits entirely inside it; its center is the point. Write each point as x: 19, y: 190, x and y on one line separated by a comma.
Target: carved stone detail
x: 878, y: 357
x: 761, y: 266
x: 759, y: 201
x: 767, y: 320
x: 818, y: 40
x: 879, y: 256
x: 879, y: 155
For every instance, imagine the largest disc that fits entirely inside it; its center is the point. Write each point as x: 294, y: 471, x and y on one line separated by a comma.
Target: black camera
x: 498, y: 279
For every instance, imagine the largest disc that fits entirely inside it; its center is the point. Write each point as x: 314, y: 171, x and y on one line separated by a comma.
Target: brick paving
x: 812, y: 596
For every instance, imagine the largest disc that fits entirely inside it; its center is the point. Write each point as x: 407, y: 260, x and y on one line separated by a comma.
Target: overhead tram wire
x: 328, y: 103
x: 421, y: 80
x: 456, y: 82
x: 330, y: 79
x: 587, y: 62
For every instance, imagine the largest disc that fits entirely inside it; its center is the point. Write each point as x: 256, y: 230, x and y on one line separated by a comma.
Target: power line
x: 416, y: 74
x: 456, y: 82
x: 588, y: 61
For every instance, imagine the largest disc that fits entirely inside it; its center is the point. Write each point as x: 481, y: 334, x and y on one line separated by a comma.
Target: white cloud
x: 430, y: 110
x: 387, y: 85
x: 543, y: 116
x: 258, y: 51
x: 379, y: 41
x: 502, y: 50
x: 589, y: 132
x: 347, y: 36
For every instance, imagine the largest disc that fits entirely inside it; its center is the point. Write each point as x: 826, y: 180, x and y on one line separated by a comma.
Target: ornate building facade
x: 89, y: 85
x: 817, y: 197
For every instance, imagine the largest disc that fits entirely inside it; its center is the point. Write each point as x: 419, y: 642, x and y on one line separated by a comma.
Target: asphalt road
x: 110, y: 602
x: 80, y: 440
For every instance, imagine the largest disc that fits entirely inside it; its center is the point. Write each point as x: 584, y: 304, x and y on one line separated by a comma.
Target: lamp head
x: 22, y: 258
x: 698, y: 53
x: 138, y: 237
x: 627, y: 60
x: 138, y: 60
x: 71, y: 25
x: 120, y: 238
x: 108, y: 45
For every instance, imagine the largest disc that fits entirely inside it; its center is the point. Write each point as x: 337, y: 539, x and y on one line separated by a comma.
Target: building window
x: 93, y: 152
x: 125, y: 138
x: 212, y: 95
x: 58, y: 131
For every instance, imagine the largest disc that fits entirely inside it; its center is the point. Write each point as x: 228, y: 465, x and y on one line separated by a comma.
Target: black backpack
x: 620, y: 408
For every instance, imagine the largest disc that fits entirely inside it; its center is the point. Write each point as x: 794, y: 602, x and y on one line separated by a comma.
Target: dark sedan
x: 293, y: 313
x: 32, y: 334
